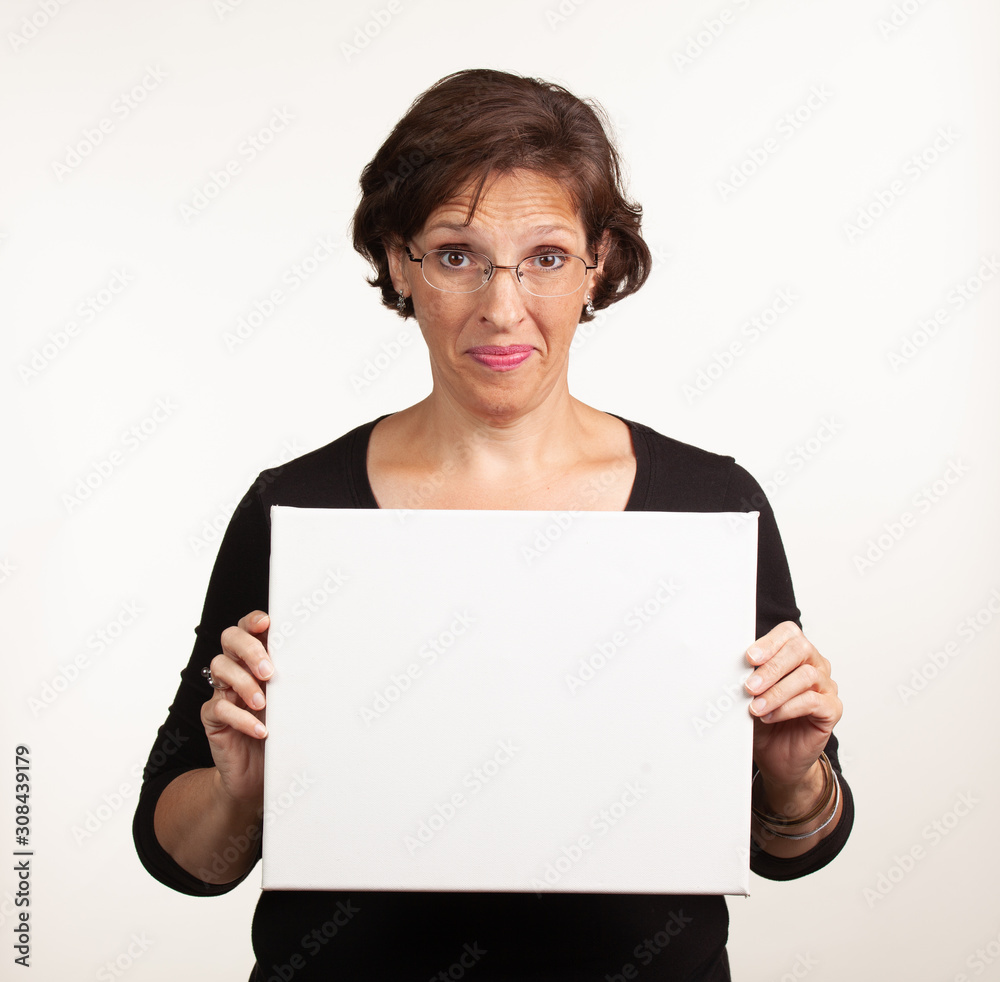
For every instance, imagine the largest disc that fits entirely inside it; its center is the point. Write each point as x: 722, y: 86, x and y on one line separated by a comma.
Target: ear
x: 399, y: 266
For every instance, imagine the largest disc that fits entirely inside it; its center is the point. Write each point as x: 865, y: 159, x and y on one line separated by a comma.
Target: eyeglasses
x: 552, y: 274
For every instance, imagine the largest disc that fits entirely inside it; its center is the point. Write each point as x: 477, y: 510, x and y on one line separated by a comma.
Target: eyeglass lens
x: 550, y: 275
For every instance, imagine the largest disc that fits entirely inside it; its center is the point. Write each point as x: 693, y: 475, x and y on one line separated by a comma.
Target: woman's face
x: 520, y: 214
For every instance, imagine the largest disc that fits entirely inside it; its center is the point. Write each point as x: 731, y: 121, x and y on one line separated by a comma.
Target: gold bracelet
x: 830, y: 788
x: 819, y: 828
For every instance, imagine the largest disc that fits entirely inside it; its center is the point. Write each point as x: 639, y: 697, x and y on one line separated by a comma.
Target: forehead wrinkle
x: 531, y: 196
x: 483, y: 223
x: 462, y: 227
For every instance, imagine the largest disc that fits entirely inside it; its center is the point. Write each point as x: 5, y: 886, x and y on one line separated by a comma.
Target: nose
x: 502, y: 299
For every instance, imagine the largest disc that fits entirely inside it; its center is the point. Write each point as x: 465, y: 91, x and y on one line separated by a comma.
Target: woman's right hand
x: 234, y: 717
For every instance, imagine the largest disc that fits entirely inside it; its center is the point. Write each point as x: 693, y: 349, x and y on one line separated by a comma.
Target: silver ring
x: 207, y: 674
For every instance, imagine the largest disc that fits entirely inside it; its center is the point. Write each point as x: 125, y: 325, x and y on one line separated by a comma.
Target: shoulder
x: 683, y: 477
x: 670, y: 449
x: 330, y: 476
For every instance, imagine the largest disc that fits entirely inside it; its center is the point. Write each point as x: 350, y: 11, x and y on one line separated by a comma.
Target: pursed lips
x: 501, y: 357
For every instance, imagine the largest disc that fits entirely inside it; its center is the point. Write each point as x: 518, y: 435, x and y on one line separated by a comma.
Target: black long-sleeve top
x: 365, y: 935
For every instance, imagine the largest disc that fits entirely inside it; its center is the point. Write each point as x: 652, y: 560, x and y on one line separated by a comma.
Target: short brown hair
x: 479, y: 123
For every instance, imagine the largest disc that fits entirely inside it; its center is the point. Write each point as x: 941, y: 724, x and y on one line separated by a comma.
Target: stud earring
x: 590, y: 306
x: 400, y: 302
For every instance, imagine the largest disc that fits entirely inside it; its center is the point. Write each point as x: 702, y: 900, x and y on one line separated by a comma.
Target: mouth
x: 500, y: 357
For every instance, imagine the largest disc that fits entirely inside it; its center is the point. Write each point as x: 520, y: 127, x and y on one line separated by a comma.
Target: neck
x: 452, y: 435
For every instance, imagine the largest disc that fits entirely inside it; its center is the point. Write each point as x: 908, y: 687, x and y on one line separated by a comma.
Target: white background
x: 881, y: 433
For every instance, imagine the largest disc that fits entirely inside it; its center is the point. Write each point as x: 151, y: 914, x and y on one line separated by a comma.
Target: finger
x: 219, y: 714
x: 239, y: 680
x: 802, y: 679
x: 764, y: 648
x: 795, y: 650
x: 823, y: 707
x: 256, y: 622
x: 239, y: 644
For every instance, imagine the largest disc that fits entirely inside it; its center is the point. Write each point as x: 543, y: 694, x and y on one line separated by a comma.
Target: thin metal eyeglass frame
x: 493, y: 267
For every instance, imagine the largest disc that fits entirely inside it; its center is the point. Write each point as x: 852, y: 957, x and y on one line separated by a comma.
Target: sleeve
x: 776, y: 603
x: 238, y: 585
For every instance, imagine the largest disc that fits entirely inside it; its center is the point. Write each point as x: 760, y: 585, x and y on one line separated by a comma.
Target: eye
x: 549, y: 262
x: 454, y: 259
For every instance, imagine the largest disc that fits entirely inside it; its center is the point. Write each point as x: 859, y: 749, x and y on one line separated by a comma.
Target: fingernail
x: 754, y: 653
x: 754, y: 683
x: 757, y: 705
x: 265, y: 669
x: 257, y: 701
x: 260, y: 730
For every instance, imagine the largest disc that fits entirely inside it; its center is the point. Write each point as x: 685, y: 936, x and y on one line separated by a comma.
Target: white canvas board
x: 509, y: 701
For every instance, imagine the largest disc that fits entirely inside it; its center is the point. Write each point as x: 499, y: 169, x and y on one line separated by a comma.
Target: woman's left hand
x: 795, y: 705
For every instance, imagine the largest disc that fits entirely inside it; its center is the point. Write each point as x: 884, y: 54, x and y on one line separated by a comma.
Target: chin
x: 500, y: 405
x: 503, y: 397
x: 502, y: 409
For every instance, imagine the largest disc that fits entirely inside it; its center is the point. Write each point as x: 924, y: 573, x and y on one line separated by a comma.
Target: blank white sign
x: 509, y: 701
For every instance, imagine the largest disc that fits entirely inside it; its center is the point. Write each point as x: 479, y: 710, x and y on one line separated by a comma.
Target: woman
x: 494, y: 215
